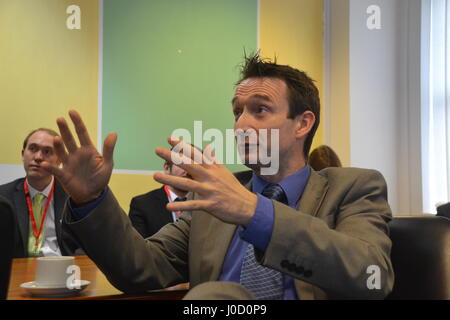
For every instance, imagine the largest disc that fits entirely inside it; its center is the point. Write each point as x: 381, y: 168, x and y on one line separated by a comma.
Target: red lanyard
x: 166, y: 189
x: 37, y: 233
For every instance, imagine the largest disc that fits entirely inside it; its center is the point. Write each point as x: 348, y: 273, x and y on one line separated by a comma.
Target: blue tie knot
x: 275, y: 192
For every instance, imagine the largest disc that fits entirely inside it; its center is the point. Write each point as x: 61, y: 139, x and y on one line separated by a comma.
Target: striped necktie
x: 38, y: 210
x: 263, y: 282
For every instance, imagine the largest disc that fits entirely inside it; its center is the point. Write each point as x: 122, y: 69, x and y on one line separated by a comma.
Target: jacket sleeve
x: 130, y: 262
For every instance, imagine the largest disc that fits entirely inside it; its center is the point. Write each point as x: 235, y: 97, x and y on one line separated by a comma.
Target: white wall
x: 374, y: 91
x: 10, y: 172
x: 336, y: 78
x: 382, y: 93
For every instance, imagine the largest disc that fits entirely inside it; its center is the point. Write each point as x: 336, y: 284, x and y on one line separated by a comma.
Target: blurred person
x: 38, y: 201
x: 148, y: 212
x: 323, y: 157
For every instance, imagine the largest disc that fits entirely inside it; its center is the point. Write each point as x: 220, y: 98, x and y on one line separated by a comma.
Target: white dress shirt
x: 172, y: 197
x: 50, y: 245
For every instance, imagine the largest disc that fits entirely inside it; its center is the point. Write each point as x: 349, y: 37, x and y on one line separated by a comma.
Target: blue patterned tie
x: 264, y: 283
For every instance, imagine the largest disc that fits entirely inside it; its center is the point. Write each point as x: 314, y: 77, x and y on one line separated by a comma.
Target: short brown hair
x: 49, y: 131
x: 303, y: 95
x: 323, y: 157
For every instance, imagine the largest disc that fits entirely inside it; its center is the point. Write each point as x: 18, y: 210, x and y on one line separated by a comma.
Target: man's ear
x: 305, y: 123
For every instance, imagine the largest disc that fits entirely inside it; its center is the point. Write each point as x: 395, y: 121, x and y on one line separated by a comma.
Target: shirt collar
x: 173, y: 195
x: 293, y: 185
x: 45, y: 192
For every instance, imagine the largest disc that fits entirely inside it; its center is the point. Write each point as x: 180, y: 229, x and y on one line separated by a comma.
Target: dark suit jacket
x: 14, y: 192
x: 444, y: 210
x: 148, y: 212
x: 338, y: 232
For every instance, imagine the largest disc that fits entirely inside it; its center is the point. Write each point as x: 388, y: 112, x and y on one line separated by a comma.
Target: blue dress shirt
x: 259, y: 230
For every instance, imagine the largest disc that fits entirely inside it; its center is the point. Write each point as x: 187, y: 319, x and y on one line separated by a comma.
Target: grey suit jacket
x: 328, y: 244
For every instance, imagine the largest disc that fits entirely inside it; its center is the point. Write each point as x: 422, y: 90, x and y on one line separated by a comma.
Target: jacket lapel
x: 310, y: 202
x: 22, y: 213
x: 313, y: 195
x: 162, y: 214
x: 59, y: 201
x: 219, y: 235
x: 215, y: 248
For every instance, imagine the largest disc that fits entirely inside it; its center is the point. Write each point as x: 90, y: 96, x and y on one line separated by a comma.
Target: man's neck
x: 283, y: 172
x: 39, y: 184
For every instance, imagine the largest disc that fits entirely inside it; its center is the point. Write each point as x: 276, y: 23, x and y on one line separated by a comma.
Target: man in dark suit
x: 148, y: 211
x: 39, y: 229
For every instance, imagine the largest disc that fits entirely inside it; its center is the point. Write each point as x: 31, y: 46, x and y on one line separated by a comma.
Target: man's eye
x: 262, y: 109
x: 237, y: 113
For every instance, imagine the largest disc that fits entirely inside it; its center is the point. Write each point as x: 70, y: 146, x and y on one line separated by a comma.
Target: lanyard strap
x: 37, y: 233
x: 169, y: 195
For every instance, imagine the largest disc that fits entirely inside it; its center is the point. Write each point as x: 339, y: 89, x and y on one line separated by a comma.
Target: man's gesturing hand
x: 85, y: 173
x: 218, y: 191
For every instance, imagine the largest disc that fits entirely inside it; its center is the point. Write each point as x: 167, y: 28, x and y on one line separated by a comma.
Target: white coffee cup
x: 52, y: 271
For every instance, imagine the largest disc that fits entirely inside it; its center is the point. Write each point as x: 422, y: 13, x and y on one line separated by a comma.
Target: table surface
x: 23, y: 270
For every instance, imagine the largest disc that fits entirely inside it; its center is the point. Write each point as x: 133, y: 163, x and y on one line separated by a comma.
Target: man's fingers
x: 80, y: 128
x: 189, y: 205
x: 179, y: 182
x: 180, y: 160
x: 59, y: 149
x: 54, y: 170
x: 108, y: 147
x: 186, y: 149
x: 190, y: 151
x: 209, y: 156
x: 66, y: 135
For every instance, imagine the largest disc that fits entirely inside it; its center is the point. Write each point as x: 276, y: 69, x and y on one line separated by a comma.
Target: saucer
x: 37, y: 290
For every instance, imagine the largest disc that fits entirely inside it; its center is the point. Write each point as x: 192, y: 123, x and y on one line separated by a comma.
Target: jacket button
x: 307, y: 273
x: 284, y: 264
x: 299, y: 270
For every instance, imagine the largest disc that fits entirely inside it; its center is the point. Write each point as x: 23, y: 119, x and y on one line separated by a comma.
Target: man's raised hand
x: 218, y: 191
x: 85, y: 172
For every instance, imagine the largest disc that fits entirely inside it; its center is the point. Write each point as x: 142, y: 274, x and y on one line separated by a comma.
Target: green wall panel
x: 167, y: 64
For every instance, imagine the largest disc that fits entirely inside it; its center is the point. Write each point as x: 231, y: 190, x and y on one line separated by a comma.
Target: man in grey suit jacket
x: 325, y: 235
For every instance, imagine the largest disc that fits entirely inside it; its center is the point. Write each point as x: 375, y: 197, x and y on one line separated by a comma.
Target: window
x: 435, y: 113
